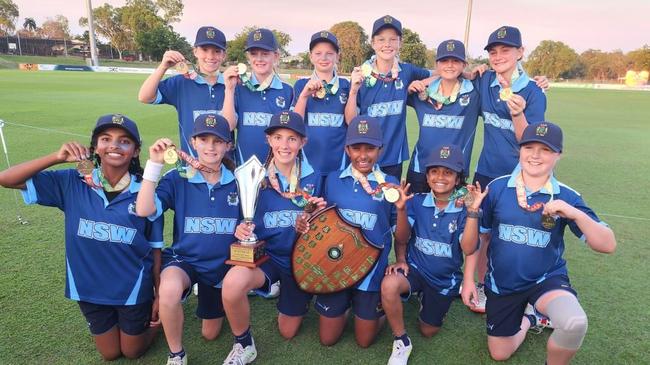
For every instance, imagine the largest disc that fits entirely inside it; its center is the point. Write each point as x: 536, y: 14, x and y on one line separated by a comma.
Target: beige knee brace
x: 569, y: 320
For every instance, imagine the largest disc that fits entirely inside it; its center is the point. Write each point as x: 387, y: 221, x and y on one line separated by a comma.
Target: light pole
x: 467, y: 23
x: 91, y: 32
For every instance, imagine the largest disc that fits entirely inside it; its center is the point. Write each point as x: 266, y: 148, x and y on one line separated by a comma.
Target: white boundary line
x: 45, y: 129
x: 624, y: 216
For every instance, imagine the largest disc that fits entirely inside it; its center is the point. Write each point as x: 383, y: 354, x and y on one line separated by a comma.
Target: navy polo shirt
x: 386, y: 102
x: 522, y: 253
x: 500, y: 152
x: 254, y: 112
x: 434, y: 248
x: 374, y: 214
x: 107, y: 246
x: 190, y: 98
x: 205, y: 218
x: 454, y: 123
x: 326, y: 127
x: 275, y: 216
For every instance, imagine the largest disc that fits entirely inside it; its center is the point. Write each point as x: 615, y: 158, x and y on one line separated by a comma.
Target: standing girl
x: 206, y: 210
x: 112, y: 255
x: 193, y: 92
x: 321, y: 101
x: 291, y: 183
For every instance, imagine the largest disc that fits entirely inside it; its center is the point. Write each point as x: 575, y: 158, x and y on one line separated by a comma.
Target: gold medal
x: 241, y: 68
x: 505, y: 94
x: 321, y: 93
x: 85, y: 167
x: 182, y: 68
x: 423, y: 96
x: 391, y: 194
x: 548, y: 221
x: 310, y: 207
x: 170, y: 156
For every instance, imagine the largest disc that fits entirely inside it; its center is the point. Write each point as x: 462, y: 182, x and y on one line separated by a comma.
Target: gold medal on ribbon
x: 241, y: 68
x: 85, y: 167
x: 321, y: 93
x: 170, y: 156
x: 548, y: 221
x: 182, y: 68
x: 391, y: 194
x: 505, y: 94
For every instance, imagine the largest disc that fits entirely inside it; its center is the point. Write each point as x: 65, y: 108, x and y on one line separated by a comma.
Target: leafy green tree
x: 160, y: 39
x: 553, y: 59
x: 236, y: 45
x: 29, y: 24
x: 55, y: 28
x: 108, y: 24
x: 353, y: 43
x: 640, y: 58
x: 413, y: 50
x: 8, y: 14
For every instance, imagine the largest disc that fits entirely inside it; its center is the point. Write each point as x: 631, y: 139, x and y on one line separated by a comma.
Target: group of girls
x: 342, y: 142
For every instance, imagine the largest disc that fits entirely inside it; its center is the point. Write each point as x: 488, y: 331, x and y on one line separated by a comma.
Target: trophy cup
x: 249, y: 252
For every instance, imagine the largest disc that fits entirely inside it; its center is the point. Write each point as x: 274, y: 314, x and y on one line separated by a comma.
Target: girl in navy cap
x: 206, y: 210
x: 527, y: 213
x: 321, y: 101
x: 252, y: 98
x: 279, y: 203
x: 112, y: 255
x: 191, y: 92
x: 510, y: 100
x: 443, y: 230
x: 361, y: 193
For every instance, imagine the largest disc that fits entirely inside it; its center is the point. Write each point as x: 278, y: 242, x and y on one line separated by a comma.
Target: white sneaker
x: 400, y: 354
x: 177, y: 360
x: 240, y: 355
x: 275, y: 290
x: 482, y: 299
x: 541, y: 321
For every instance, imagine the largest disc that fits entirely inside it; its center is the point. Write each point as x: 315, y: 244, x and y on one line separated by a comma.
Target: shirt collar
x: 465, y: 85
x: 334, y: 82
x: 305, y: 170
x: 200, y: 80
x: 543, y: 190
x: 450, y: 208
x: 226, y: 177
x: 372, y: 60
x: 519, y: 84
x: 276, y: 83
x: 371, y: 177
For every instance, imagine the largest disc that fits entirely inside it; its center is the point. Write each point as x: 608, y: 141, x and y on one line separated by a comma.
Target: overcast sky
x: 582, y: 24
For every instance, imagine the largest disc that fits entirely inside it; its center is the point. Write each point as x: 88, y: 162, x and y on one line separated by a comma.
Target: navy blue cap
x: 261, y: 38
x: 446, y: 155
x: 210, y: 36
x: 286, y: 119
x: 547, y: 133
x: 510, y: 36
x: 386, y: 21
x: 118, y: 121
x: 324, y: 36
x: 364, y: 129
x: 451, y: 49
x: 210, y: 123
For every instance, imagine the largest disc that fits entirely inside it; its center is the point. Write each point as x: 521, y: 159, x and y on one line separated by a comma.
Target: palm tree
x: 29, y: 24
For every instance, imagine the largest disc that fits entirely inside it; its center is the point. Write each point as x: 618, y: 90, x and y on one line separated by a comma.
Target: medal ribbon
x: 363, y: 180
x: 184, y: 171
x: 330, y: 88
x: 298, y: 196
x: 438, y: 99
x: 520, y: 189
x: 90, y: 165
x: 371, y: 73
x: 246, y: 79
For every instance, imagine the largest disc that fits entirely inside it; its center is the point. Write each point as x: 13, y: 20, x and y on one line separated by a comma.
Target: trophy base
x: 247, y: 255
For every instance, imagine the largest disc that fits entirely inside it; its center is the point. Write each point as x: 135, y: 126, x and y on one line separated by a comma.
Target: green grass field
x: 607, y: 159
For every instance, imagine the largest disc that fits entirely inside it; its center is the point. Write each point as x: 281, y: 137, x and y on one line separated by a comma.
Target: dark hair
x: 134, y: 167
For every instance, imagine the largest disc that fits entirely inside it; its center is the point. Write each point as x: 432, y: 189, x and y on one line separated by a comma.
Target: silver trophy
x: 249, y: 176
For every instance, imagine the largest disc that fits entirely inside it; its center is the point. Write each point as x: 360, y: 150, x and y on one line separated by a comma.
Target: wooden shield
x: 334, y: 255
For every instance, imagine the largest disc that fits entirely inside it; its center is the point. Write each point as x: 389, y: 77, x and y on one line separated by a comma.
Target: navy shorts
x: 365, y: 304
x: 418, y: 181
x: 482, y: 179
x: 131, y: 319
x: 393, y: 170
x: 433, y: 305
x: 210, y: 305
x: 504, y: 312
x: 293, y: 301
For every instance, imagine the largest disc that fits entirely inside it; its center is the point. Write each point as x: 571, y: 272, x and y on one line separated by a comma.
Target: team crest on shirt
x: 343, y: 98
x: 257, y: 35
x: 399, y: 85
x: 210, y: 33
x: 280, y: 102
x: 501, y: 33
x: 117, y: 119
x: 453, y: 226
x: 233, y: 199
x: 444, y: 152
x: 464, y: 100
x: 541, y: 130
x: 131, y: 208
x: 378, y: 196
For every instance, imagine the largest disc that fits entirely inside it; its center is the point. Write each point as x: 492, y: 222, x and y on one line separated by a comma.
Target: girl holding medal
x: 291, y: 188
x: 321, y: 101
x: 252, y: 99
x: 206, y: 210
x: 442, y: 232
x: 112, y: 255
x: 364, y: 195
x: 527, y: 213
x: 197, y: 89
